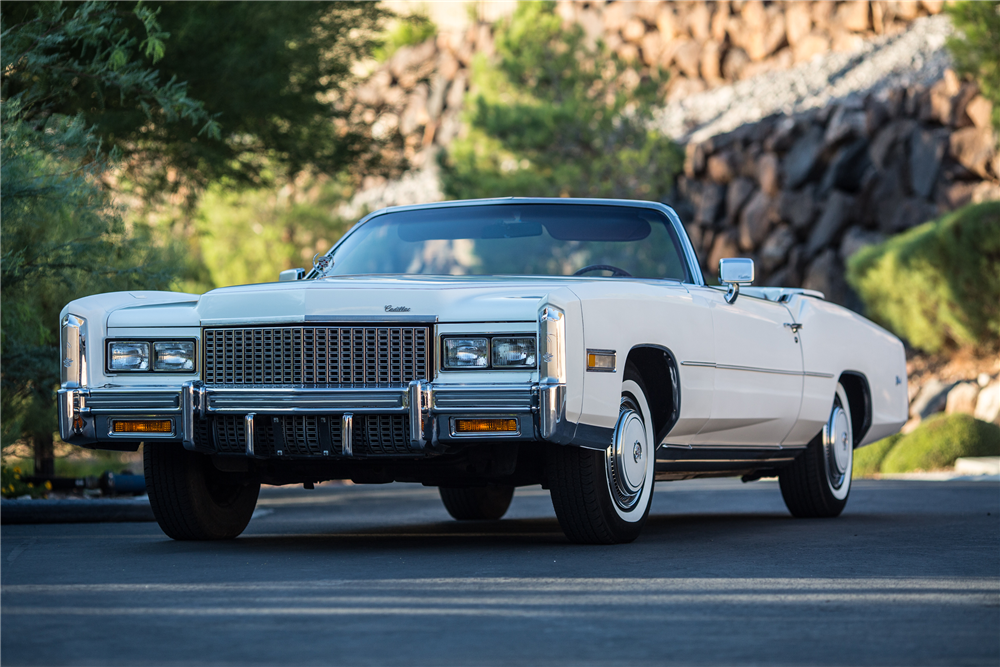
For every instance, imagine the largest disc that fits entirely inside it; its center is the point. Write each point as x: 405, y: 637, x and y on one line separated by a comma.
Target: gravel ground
x: 917, y: 56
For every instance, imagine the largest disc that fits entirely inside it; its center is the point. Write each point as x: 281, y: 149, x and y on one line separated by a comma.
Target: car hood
x: 354, y: 298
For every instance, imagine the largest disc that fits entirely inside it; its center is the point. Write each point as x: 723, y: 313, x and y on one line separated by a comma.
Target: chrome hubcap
x: 626, y: 457
x: 837, y: 447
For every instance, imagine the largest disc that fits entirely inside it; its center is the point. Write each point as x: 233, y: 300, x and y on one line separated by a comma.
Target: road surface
x: 380, y: 575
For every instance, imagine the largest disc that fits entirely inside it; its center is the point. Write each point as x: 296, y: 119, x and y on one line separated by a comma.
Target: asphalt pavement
x: 380, y: 575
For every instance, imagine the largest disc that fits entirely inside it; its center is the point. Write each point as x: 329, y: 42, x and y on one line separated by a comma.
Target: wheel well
x: 658, y: 370
x: 859, y: 396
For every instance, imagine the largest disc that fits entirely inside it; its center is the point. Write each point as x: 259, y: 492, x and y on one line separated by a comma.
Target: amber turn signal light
x: 602, y: 361
x: 486, y: 426
x: 144, y: 426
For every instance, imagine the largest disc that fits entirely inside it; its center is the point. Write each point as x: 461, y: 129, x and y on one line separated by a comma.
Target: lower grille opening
x: 307, y: 435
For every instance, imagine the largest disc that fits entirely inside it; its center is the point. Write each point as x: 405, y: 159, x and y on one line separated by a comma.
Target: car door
x: 758, y: 372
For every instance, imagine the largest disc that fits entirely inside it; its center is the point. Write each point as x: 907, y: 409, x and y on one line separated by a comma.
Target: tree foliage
x: 976, y: 47
x: 552, y: 115
x: 63, y: 236
x: 268, y: 77
x: 278, y: 230
x: 86, y: 59
x: 415, y: 28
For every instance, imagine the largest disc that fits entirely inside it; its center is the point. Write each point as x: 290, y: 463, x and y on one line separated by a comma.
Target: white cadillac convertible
x: 478, y: 346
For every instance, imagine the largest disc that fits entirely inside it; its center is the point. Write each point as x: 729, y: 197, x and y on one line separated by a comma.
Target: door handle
x: 794, y: 326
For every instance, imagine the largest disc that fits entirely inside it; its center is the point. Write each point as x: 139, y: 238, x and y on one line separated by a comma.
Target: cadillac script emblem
x: 397, y: 309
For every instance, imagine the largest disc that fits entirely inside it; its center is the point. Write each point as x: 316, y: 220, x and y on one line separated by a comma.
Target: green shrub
x: 868, y: 459
x: 552, y: 115
x: 937, y: 285
x: 410, y: 30
x: 939, y: 441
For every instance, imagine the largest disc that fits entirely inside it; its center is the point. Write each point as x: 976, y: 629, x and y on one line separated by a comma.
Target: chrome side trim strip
x: 685, y: 461
x: 753, y: 369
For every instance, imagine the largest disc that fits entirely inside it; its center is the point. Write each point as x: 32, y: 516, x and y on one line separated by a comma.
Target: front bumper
x: 85, y: 415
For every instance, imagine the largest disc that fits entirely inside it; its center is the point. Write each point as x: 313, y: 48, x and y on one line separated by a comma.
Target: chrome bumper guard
x: 421, y: 400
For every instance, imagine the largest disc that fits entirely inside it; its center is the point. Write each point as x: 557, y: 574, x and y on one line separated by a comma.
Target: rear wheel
x: 478, y: 503
x: 818, y: 482
x: 603, y: 497
x: 191, y: 499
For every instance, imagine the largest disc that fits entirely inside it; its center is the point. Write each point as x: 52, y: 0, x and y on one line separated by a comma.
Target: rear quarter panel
x: 836, y: 340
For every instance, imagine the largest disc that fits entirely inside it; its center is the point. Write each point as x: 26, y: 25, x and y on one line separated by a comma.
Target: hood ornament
x: 321, y: 263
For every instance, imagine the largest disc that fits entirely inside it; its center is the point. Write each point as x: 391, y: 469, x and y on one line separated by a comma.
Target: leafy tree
x: 976, y: 47
x: 63, y: 236
x: 278, y: 230
x: 554, y: 116
x: 61, y: 61
x: 270, y: 78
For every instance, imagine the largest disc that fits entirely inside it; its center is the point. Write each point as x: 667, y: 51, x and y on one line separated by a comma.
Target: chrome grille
x: 321, y: 356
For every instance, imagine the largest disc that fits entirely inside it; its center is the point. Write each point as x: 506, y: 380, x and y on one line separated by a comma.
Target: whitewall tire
x: 603, y: 497
x: 818, y: 483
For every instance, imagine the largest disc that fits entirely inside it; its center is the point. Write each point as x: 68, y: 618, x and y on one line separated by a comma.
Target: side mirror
x: 289, y: 275
x: 734, y: 272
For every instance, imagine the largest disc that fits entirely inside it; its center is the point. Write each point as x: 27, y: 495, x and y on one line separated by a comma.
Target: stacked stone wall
x: 416, y: 97
x: 802, y: 193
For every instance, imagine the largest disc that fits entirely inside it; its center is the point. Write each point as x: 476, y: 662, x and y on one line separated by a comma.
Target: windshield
x: 515, y: 239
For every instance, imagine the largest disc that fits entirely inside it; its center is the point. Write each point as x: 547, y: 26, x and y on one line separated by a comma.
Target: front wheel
x: 478, y: 503
x: 817, y: 483
x: 603, y: 497
x: 191, y: 499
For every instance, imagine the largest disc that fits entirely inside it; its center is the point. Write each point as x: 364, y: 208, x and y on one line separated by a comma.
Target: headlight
x: 466, y: 352
x: 514, y: 352
x: 146, y: 356
x: 173, y: 356
x: 128, y: 356
x: 489, y: 352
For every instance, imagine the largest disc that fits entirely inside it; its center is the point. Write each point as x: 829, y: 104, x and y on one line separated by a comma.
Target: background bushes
x: 937, y: 285
x: 937, y: 443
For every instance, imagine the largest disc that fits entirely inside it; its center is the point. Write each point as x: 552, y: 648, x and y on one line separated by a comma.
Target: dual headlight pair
x: 489, y: 352
x: 167, y: 356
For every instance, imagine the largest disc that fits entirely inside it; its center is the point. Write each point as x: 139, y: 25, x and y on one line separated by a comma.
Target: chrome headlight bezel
x: 156, y: 348
x: 490, y: 342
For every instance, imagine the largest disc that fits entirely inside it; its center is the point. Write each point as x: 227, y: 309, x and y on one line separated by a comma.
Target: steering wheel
x: 615, y: 271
